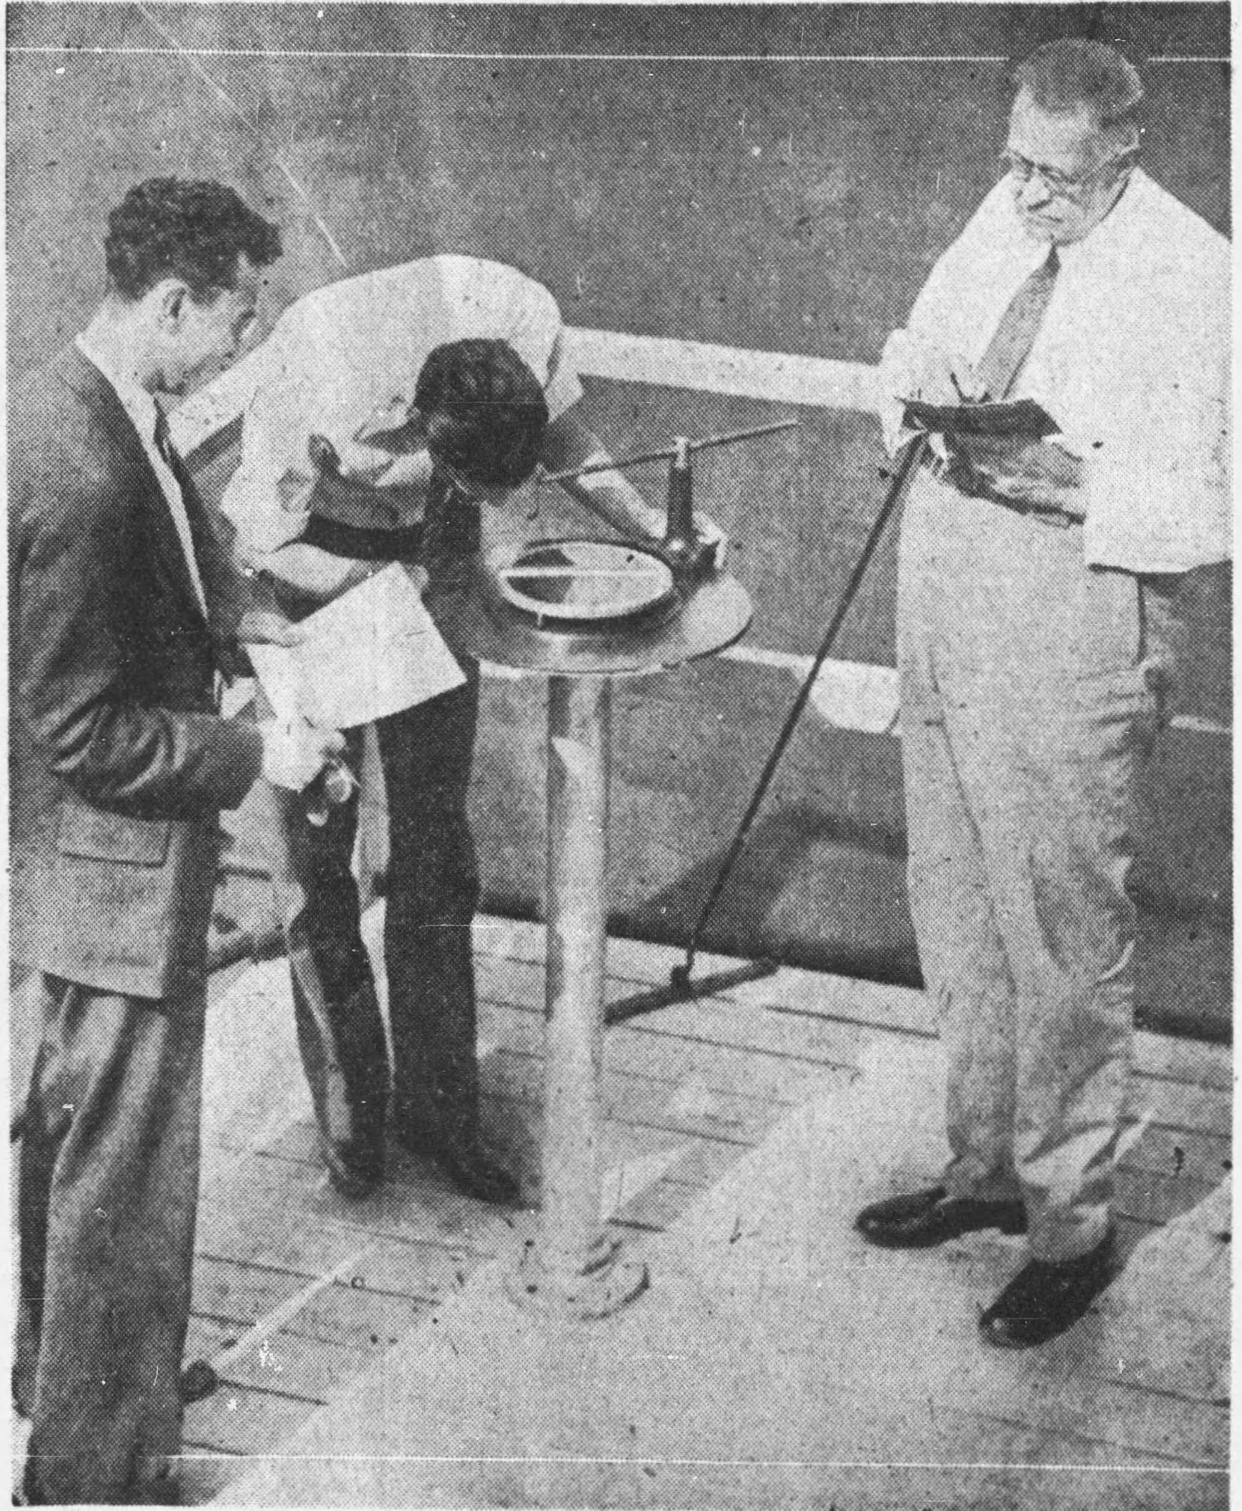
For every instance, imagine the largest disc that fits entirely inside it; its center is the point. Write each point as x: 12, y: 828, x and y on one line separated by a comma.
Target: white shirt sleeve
x: 938, y: 320
x: 266, y: 497
x: 563, y: 388
x: 1158, y: 494
x: 352, y: 349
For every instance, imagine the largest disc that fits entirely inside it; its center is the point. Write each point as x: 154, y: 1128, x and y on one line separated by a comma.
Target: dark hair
x: 484, y: 411
x: 195, y: 231
x: 1073, y: 73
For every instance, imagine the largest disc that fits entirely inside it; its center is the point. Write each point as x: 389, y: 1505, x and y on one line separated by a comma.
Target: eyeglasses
x: 1065, y: 185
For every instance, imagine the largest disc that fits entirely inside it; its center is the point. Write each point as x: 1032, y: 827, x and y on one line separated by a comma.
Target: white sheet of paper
x: 371, y: 652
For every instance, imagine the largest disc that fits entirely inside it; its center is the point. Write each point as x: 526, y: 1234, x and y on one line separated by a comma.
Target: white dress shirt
x: 352, y: 351
x: 1132, y: 360
x: 141, y: 408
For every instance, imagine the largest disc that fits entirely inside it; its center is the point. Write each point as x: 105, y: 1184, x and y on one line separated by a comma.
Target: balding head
x: 1072, y: 76
x: 1073, y: 137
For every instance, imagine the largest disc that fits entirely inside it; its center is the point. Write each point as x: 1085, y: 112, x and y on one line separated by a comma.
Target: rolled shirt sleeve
x: 266, y: 498
x: 563, y: 388
x: 354, y: 349
x: 1158, y: 462
x: 1132, y: 361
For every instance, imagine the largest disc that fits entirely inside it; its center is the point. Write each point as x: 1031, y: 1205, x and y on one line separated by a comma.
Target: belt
x: 962, y: 481
x: 363, y: 543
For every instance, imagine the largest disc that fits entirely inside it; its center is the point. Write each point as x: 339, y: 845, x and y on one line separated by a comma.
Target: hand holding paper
x: 372, y: 652
x: 295, y: 751
x: 1039, y: 474
x: 268, y: 627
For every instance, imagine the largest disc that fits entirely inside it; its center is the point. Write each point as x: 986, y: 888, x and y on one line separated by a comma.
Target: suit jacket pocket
x: 130, y: 903
x: 94, y: 835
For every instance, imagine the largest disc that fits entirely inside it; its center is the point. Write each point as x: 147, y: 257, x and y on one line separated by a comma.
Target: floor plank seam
x: 1075, y: 1435
x: 269, y: 1390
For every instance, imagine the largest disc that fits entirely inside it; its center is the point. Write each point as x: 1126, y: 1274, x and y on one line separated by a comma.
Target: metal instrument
x: 581, y: 612
x: 683, y: 549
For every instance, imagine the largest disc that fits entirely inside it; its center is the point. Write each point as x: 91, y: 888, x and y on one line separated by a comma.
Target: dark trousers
x: 432, y: 894
x: 106, y: 1208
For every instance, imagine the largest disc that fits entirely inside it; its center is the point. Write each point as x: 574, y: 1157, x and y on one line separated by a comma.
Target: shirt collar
x: 1104, y: 240
x: 138, y: 403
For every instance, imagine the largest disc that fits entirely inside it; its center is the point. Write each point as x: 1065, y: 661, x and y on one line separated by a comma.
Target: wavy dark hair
x: 484, y: 411
x: 194, y: 230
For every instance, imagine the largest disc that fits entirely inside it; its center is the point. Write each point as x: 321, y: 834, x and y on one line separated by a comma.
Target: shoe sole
x: 1011, y: 1227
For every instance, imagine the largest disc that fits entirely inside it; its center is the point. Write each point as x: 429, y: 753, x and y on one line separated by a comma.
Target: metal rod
x: 669, y: 996
x: 518, y: 573
x: 666, y: 453
x: 905, y: 470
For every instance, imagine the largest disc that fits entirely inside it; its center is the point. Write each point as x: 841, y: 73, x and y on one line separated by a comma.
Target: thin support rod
x: 901, y: 478
x: 666, y: 453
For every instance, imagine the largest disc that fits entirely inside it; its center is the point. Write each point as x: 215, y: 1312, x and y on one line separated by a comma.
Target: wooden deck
x: 742, y: 1131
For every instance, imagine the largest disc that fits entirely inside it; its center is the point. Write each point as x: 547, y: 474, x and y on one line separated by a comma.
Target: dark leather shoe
x: 925, y: 1218
x: 1044, y: 1299
x: 355, y: 1168
x: 198, y: 1381
x: 477, y: 1173
x: 467, y: 1163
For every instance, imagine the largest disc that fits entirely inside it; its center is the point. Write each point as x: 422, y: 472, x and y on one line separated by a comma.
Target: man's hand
x: 654, y: 522
x: 1040, y: 474
x: 913, y: 368
x: 938, y: 377
x: 268, y: 627
x: 296, y: 751
x: 711, y: 534
x: 372, y: 459
x: 361, y: 462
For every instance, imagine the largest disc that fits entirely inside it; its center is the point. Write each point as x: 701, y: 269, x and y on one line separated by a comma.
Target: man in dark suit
x: 126, y: 614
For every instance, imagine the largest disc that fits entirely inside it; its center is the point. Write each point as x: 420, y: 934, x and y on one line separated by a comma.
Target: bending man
x: 441, y: 384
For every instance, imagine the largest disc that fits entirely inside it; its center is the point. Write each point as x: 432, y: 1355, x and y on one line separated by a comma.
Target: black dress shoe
x: 355, y: 1167
x: 466, y: 1161
x: 478, y: 1173
x: 925, y: 1218
x: 198, y: 1381
x: 1044, y: 1299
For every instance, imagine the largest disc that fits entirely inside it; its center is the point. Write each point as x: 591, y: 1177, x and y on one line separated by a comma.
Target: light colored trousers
x: 1031, y: 692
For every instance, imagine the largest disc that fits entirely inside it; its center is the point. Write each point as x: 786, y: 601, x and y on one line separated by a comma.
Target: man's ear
x: 171, y: 296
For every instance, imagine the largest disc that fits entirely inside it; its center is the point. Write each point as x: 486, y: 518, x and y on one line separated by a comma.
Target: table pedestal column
x: 574, y: 1268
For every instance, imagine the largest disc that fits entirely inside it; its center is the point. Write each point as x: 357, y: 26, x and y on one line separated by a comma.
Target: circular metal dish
x: 582, y: 584
x: 696, y: 619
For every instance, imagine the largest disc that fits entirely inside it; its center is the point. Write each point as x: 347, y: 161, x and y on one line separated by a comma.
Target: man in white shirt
x: 420, y: 391
x: 1035, y: 608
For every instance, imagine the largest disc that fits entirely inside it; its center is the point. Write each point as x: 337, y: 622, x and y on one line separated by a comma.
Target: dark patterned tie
x: 1015, y: 335
x: 163, y: 440
x: 191, y: 503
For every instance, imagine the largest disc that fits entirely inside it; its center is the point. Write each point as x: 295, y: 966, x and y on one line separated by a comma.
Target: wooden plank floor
x: 300, y: 1295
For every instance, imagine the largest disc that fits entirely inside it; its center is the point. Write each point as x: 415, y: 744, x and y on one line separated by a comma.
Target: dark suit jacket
x: 120, y: 763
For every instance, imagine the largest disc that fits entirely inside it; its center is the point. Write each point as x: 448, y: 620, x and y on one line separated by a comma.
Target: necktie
x: 184, y: 508
x: 1015, y: 335
x: 163, y: 442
